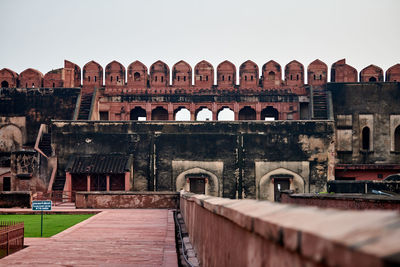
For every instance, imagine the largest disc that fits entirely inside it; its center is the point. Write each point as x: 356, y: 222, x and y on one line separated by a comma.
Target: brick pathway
x: 135, y: 237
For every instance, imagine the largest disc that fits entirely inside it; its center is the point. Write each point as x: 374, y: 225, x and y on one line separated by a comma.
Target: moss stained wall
x: 154, y: 145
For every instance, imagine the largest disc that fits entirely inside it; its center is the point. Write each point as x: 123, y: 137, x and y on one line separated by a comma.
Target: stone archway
x: 266, y: 185
x: 4, y: 84
x: 211, y: 187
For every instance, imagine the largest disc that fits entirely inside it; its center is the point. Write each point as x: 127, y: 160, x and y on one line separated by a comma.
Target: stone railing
x: 227, y: 232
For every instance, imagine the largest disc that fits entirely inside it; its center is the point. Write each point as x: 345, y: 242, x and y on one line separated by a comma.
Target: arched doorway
x: 204, y: 114
x: 269, y: 114
x: 247, y: 113
x: 4, y: 84
x: 159, y: 114
x: 226, y: 114
x: 278, y: 180
x: 182, y: 114
x: 372, y: 79
x: 198, y: 180
x: 138, y: 114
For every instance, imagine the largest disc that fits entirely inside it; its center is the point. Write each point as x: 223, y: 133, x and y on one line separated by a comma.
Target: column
x: 108, y: 183
x: 236, y: 110
x: 214, y: 110
x: 68, y: 185
x: 127, y: 183
x: 170, y: 112
x: 88, y: 183
x: 148, y: 111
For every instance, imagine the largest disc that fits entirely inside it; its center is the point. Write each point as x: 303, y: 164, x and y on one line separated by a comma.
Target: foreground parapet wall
x: 343, y: 201
x: 261, y: 233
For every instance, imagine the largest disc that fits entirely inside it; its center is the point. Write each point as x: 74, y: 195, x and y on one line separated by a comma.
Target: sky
x: 40, y: 34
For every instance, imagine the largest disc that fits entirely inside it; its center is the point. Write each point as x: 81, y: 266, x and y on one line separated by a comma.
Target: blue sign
x: 41, y: 205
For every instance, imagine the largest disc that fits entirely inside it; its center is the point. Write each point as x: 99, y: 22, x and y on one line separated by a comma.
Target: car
x: 393, y: 178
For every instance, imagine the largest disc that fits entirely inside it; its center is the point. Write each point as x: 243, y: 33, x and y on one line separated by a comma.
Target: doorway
x: 6, y: 184
x: 280, y: 184
x: 197, y: 185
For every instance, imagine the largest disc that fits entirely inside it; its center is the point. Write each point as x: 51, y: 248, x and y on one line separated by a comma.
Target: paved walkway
x: 135, y: 237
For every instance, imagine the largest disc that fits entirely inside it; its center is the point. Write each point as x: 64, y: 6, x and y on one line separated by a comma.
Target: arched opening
x: 136, y: 76
x: 204, y: 115
x: 272, y: 183
x: 271, y: 76
x: 206, y: 178
x: 4, y: 84
x: 226, y: 114
x: 365, y: 138
x: 159, y: 114
x: 247, y: 113
x: 372, y: 79
x: 138, y: 114
x: 269, y: 114
x: 397, y: 139
x: 182, y: 114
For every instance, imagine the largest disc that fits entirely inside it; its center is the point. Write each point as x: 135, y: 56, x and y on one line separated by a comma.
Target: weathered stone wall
x: 22, y: 199
x: 261, y: 233
x: 225, y: 151
x: 343, y: 201
x: 38, y: 106
x: 127, y: 200
x: 359, y: 105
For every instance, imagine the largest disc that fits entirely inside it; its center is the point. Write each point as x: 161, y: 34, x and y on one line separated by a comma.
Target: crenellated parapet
x: 138, y: 78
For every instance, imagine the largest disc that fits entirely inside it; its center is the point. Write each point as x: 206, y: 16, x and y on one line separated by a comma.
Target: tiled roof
x: 99, y: 164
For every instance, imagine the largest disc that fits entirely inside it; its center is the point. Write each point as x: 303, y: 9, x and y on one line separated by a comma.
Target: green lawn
x: 52, y: 223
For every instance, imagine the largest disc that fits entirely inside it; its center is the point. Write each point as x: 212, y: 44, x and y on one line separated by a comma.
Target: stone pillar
x: 108, y: 183
x: 88, y: 183
x: 236, y: 111
x: 170, y: 112
x: 258, y: 111
x: 214, y: 110
x: 127, y: 182
x: 68, y: 185
x: 148, y: 111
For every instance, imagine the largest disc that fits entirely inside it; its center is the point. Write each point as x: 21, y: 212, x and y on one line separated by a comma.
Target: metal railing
x: 11, y: 237
x: 57, y: 197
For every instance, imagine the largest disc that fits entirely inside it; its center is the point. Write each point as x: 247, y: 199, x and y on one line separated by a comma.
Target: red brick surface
x: 228, y: 232
x: 111, y: 238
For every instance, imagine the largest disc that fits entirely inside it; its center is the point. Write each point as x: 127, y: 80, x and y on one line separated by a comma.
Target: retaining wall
x: 130, y: 200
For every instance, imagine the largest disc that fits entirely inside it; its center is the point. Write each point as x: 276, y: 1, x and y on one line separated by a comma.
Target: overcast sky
x: 41, y: 34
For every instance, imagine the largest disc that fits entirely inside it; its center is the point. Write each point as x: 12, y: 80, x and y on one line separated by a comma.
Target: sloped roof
x: 87, y: 164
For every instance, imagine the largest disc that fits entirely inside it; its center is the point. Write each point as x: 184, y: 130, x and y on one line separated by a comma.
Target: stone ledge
x: 327, y: 236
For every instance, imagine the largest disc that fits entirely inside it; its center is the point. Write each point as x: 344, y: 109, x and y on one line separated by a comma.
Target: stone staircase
x: 320, y: 105
x: 45, y: 144
x: 86, y: 103
x: 58, y: 184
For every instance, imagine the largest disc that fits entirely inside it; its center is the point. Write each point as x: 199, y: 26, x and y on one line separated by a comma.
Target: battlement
x: 138, y: 78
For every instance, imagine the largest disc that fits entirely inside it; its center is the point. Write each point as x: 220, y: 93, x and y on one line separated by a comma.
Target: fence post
x: 8, y: 244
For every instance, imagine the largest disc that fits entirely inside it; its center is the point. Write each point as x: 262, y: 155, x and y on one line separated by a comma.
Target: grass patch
x: 52, y: 223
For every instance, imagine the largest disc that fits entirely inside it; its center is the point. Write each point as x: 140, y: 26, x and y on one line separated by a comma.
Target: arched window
x: 136, y: 76
x: 178, y: 78
x: 397, y: 139
x: 162, y: 78
x: 155, y: 78
x: 117, y: 78
x: 251, y: 77
x: 291, y: 77
x: 54, y: 85
x: 245, y: 78
x: 297, y: 77
x: 4, y: 84
x: 184, y: 78
x: 88, y: 78
x: 320, y: 76
x: 314, y: 77
x: 365, y: 136
x: 201, y: 78
x: 271, y: 76
x: 372, y: 79
x: 95, y: 78
x: 223, y: 77
x: 207, y: 78
x: 111, y: 78
x: 229, y: 78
